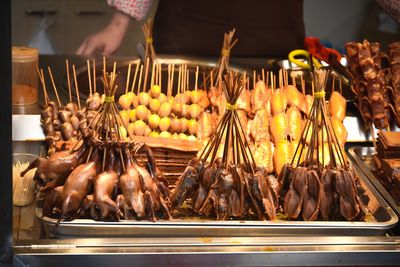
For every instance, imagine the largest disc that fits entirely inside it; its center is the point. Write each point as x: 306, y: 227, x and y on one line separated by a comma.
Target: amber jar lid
x: 23, y: 53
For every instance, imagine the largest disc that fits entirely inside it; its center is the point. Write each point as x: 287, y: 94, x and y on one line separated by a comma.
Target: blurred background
x: 58, y: 27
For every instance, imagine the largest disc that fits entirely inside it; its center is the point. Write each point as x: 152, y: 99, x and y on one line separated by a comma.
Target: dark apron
x: 265, y: 28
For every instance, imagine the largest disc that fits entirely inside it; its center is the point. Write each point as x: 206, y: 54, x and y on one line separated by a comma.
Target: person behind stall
x: 268, y: 28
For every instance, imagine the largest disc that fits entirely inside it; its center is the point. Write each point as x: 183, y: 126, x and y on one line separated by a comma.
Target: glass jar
x: 24, y: 75
x: 23, y: 187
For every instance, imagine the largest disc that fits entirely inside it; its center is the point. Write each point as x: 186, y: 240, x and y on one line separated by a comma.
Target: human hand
x: 108, y: 40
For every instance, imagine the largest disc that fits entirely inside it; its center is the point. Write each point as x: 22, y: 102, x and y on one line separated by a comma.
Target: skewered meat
x: 243, y: 102
x: 213, y: 94
x: 105, y: 185
x: 337, y: 106
x: 279, y: 127
x: 308, y: 100
x: 64, y: 115
x: 295, y: 123
x: 282, y: 155
x: 94, y: 102
x: 279, y: 102
x: 346, y: 189
x: 263, y: 155
x: 259, y: 127
x: 312, y: 197
x: 294, y: 97
x: 207, y: 179
x: 130, y: 184
x: 205, y: 125
x: 186, y: 185
x: 67, y: 130
x: 75, y: 122
x: 369, y: 82
x: 340, y: 130
x: 156, y: 174
x: 54, y: 170
x: 394, y: 56
x: 222, y: 198
x: 204, y: 101
x: 329, y: 196
x: 259, y: 96
x: 72, y: 107
x: 76, y: 188
x: 263, y: 193
x: 294, y: 197
x: 156, y: 193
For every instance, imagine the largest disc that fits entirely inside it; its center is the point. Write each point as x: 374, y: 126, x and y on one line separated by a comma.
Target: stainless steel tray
x: 363, y: 157
x: 383, y: 218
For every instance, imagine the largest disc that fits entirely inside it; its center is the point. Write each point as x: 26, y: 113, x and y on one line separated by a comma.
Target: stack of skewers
x: 100, y: 177
x: 229, y: 186
x: 319, y: 183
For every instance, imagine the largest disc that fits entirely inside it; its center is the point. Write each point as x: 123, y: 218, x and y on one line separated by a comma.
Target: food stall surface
x: 37, y: 242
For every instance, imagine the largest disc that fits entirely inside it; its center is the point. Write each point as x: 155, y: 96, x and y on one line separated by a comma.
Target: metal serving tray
x: 363, y: 157
x: 383, y: 218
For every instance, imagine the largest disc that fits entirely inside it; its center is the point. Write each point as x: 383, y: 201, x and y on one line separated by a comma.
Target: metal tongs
x: 315, y: 53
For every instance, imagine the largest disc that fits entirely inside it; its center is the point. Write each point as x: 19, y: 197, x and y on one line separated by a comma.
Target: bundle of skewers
x: 153, y: 113
x: 61, y: 123
x: 319, y: 183
x: 101, y: 177
x: 375, y: 81
x: 224, y: 182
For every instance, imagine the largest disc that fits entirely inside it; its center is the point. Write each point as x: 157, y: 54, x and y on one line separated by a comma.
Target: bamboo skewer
x: 89, y: 77
x: 145, y: 76
x: 140, y: 79
x: 94, y: 76
x: 147, y: 29
x: 54, y: 86
x: 135, y: 76
x: 128, y: 78
x: 153, y: 70
x: 68, y: 81
x: 196, y: 78
x: 41, y: 78
x: 76, y: 87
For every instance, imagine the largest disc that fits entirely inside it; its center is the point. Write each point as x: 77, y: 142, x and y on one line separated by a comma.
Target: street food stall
x: 170, y: 160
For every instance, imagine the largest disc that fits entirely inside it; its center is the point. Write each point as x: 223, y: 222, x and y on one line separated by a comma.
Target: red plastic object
x: 317, y: 50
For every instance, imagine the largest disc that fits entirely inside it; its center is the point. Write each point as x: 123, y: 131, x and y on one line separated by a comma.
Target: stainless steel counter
x: 208, y: 251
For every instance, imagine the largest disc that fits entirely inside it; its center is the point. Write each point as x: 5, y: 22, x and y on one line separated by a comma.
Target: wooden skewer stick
x: 128, y: 78
x: 140, y: 79
x: 41, y: 78
x: 196, y: 78
x: 134, y: 77
x: 254, y: 78
x: 54, y: 86
x: 204, y: 82
x: 169, y: 77
x: 145, y: 75
x: 272, y: 81
x: 159, y: 74
x: 153, y: 69
x: 68, y: 81
x: 94, y: 76
x: 89, y: 77
x: 104, y: 66
x: 76, y: 86
x: 187, y: 80
x: 212, y: 79
x: 263, y: 75
x: 179, y: 80
x: 172, y: 79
